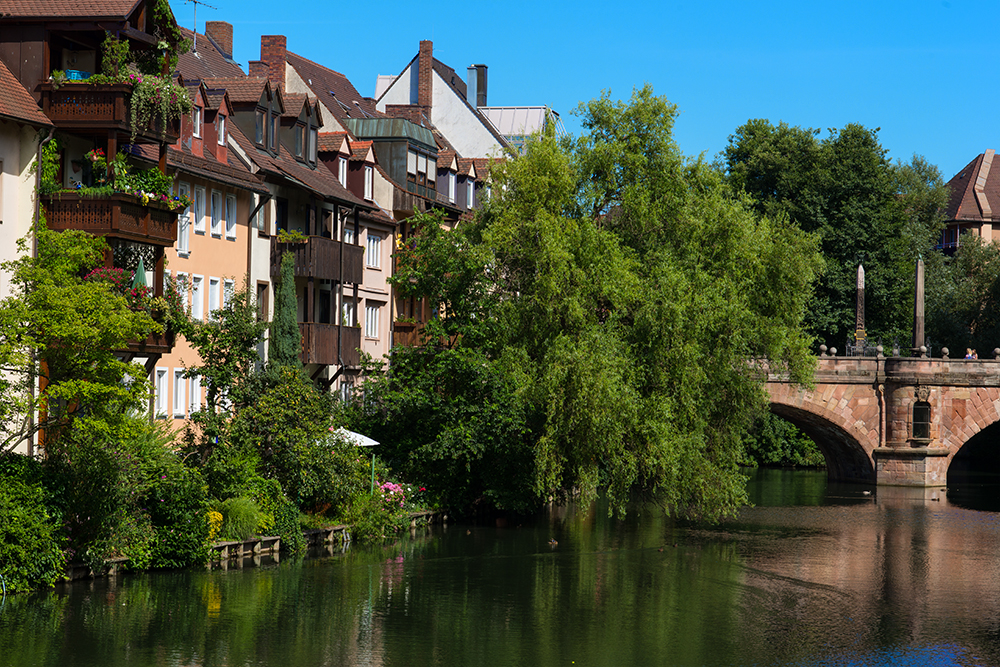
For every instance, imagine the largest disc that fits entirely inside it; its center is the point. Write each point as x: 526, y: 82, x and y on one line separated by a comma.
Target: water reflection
x: 813, y: 575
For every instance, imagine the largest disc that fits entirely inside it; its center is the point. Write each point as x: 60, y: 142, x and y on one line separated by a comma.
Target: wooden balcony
x: 319, y: 257
x: 96, y: 109
x: 319, y: 344
x: 154, y: 344
x: 120, y: 216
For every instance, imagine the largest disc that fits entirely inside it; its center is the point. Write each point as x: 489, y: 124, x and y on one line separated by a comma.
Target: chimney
x: 272, y: 52
x: 425, y: 70
x: 258, y: 68
x: 480, y: 84
x: 221, y: 33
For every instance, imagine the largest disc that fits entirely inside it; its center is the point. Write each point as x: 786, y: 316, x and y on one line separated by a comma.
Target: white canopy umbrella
x: 355, y: 438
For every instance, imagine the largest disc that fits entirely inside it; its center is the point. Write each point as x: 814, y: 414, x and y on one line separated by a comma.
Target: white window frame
x: 373, y: 256
x: 197, y: 297
x: 313, y: 139
x: 348, y: 235
x: 182, y: 288
x: 369, y: 183
x: 196, y: 116
x: 228, y: 289
x: 451, y: 187
x: 217, y: 202
x: 214, y: 285
x: 470, y: 192
x: 348, y: 313
x: 194, y: 395
x: 160, y: 387
x: 231, y: 217
x: 180, y: 397
x: 184, y: 222
x: 345, y: 391
x: 342, y: 171
x: 371, y: 319
x: 221, y: 130
x: 199, y: 209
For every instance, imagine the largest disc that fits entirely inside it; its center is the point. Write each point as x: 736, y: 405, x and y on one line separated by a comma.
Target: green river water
x: 814, y: 574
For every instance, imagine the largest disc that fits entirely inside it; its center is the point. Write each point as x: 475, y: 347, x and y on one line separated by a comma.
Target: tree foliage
x: 286, y: 340
x: 864, y: 209
x: 608, y: 303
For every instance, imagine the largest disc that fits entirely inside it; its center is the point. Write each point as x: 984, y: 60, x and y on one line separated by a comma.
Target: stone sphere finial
x: 996, y: 353
x: 878, y: 350
x: 822, y: 350
x: 944, y: 353
x: 923, y: 351
x: 833, y: 351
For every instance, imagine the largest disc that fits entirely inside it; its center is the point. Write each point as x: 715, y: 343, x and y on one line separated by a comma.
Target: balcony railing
x: 320, y: 343
x: 319, y: 257
x: 118, y: 215
x: 153, y: 344
x: 97, y: 108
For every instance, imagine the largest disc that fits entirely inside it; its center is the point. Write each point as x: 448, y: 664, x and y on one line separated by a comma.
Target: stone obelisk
x: 918, y: 309
x: 859, y: 325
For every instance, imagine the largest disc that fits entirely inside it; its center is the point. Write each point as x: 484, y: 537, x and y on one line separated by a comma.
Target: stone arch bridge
x: 891, y: 420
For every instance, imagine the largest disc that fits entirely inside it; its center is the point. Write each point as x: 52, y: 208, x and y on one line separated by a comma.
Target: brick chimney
x: 221, y: 33
x: 272, y: 52
x: 258, y: 68
x: 425, y: 71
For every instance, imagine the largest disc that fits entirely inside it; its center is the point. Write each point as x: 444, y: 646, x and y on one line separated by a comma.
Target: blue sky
x: 924, y: 72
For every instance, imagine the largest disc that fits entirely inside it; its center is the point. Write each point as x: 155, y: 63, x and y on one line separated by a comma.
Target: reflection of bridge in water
x: 891, y: 420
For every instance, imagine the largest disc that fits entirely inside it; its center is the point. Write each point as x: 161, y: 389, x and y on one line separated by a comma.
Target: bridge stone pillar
x: 912, y: 453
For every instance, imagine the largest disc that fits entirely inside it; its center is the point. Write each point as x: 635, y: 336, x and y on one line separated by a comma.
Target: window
x: 342, y: 171
x: 196, y: 119
x: 166, y: 282
x: 213, y: 296
x: 272, y: 132
x: 450, y: 185
x: 216, y: 213
x: 345, y: 391
x: 371, y: 321
x: 228, y: 290
x: 221, y: 129
x: 470, y: 192
x: 182, y: 288
x: 313, y: 132
x: 199, y: 209
x: 374, y: 256
x: 921, y: 420
x: 299, y: 140
x: 161, y: 392
x: 179, y: 397
x: 231, y: 217
x: 184, y: 222
x: 259, y: 128
x: 194, y: 403
x: 348, y: 314
x: 369, y: 183
x: 348, y: 235
x: 197, y: 297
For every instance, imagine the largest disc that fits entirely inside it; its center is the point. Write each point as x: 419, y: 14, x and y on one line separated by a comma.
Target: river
x: 814, y: 574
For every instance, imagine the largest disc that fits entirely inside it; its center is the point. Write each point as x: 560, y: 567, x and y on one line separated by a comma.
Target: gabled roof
x: 16, y: 103
x: 447, y: 159
x: 245, y: 90
x: 467, y: 167
x: 185, y: 160
x: 63, y: 10
x: 361, y: 150
x: 332, y: 142
x: 333, y: 89
x: 975, y: 190
x: 208, y: 62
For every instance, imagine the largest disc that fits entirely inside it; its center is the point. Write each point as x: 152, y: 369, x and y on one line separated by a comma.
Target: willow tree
x: 619, y: 296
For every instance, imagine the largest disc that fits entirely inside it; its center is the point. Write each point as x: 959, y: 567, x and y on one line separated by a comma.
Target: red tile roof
x: 330, y: 142
x: 245, y: 89
x: 67, y: 9
x: 207, y: 62
x: 975, y: 190
x: 360, y: 150
x: 466, y: 165
x: 332, y: 87
x: 16, y: 103
x: 231, y: 173
x: 445, y: 158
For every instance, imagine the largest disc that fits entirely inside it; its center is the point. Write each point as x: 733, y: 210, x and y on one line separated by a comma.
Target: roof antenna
x: 195, y: 31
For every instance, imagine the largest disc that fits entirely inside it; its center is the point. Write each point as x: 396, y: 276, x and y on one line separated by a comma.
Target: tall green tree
x: 864, y: 209
x: 628, y: 293
x: 286, y: 340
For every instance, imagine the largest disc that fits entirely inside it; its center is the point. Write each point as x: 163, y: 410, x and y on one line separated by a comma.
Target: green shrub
x: 240, y: 518
x: 373, y: 517
x: 30, y: 554
x: 279, y: 515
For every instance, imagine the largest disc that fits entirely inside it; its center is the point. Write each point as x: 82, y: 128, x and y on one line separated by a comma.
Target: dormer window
x: 369, y: 183
x: 450, y: 185
x: 196, y: 121
x: 272, y: 131
x: 313, y: 141
x: 470, y: 190
x: 260, y: 128
x: 221, y: 129
x: 300, y: 132
x: 342, y: 171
